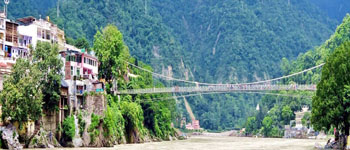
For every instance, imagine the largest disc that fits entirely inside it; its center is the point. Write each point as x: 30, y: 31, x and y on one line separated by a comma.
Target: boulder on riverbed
x: 44, y: 140
x: 10, y: 137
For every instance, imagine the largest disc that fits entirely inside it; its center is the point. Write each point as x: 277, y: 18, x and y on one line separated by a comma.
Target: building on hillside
x: 12, y: 45
x: 194, y: 125
x: 299, y: 116
x: 41, y: 30
x: 299, y: 131
x: 80, y: 73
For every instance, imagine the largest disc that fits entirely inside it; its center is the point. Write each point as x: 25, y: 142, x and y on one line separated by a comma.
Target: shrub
x: 113, y: 122
x: 68, y: 128
x: 93, y: 131
x: 81, y: 123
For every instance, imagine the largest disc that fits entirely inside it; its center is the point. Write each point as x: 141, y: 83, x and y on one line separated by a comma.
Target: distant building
x: 299, y: 131
x: 299, y: 116
x: 193, y: 126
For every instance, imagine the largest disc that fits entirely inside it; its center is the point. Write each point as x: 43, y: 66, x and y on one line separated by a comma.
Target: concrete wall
x: 96, y: 104
x: 50, y: 121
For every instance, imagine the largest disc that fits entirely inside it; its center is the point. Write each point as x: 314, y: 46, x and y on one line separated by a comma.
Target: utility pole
x: 58, y: 8
x: 145, y: 7
x: 6, y: 3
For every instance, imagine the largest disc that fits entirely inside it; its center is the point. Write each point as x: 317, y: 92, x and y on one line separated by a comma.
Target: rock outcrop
x: 10, y: 137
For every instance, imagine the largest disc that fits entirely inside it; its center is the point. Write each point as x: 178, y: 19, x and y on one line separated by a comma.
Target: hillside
x: 207, y: 41
x: 280, y: 109
x: 337, y: 9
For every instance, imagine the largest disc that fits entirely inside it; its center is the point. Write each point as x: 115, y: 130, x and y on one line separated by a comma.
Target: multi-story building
x: 12, y: 45
x: 41, y: 30
x: 80, y: 73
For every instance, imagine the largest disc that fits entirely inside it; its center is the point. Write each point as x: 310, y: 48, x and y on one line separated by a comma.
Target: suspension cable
x: 212, y: 84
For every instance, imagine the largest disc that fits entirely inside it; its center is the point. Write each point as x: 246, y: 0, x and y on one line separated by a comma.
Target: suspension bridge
x: 259, y: 86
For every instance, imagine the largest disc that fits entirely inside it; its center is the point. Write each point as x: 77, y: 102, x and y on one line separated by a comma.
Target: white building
x: 41, y: 30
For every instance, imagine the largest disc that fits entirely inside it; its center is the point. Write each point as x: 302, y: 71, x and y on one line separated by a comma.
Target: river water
x: 219, y: 143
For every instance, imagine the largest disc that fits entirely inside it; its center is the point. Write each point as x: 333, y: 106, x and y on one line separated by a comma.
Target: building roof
x: 26, y: 20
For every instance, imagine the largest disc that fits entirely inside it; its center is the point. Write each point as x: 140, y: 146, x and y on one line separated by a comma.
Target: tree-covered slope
x: 208, y: 41
x: 236, y: 41
x: 146, y: 36
x: 319, y: 54
x: 279, y: 106
x: 336, y: 9
x: 23, y: 8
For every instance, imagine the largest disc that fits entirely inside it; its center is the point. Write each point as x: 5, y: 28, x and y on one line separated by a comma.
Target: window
x: 71, y: 70
x: 39, y: 32
x: 48, y: 37
x: 84, y: 60
x: 79, y: 59
x: 78, y: 71
x: 43, y: 34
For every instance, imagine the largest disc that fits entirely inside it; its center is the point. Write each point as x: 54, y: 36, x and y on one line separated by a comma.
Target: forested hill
x: 23, y: 8
x: 239, y: 41
x: 335, y: 9
x: 203, y: 40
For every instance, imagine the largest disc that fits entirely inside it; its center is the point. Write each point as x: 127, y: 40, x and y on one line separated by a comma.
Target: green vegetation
x: 240, y: 41
x: 332, y: 101
x: 68, y: 126
x: 28, y: 8
x: 131, y: 116
x: 21, y: 98
x: 113, y: 123
x: 33, y: 85
x: 322, y: 109
x: 81, y: 124
x: 50, y: 66
x: 93, y: 130
x: 112, y: 54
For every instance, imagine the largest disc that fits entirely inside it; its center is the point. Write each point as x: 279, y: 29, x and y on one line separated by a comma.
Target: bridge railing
x: 222, y: 88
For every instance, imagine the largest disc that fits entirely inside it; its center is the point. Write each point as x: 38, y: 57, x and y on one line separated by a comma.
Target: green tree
x: 68, y: 126
x: 331, y: 104
x: 287, y: 114
x: 46, y: 60
x: 267, y: 126
x: 21, y: 98
x: 112, y: 53
x: 251, y: 125
x: 82, y: 43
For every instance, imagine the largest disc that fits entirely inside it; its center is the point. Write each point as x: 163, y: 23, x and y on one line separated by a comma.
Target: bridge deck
x: 222, y: 88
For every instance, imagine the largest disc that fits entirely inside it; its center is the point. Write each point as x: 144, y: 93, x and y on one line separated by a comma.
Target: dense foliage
x: 21, y: 99
x: 129, y: 116
x: 68, y: 127
x: 332, y: 101
x: 33, y: 85
x: 50, y: 66
x: 320, y: 107
x: 336, y: 9
x: 24, y: 8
